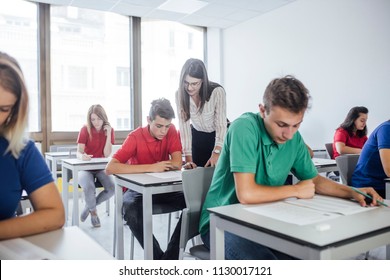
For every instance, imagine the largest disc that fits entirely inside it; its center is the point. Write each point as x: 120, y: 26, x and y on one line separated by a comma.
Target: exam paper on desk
x: 167, y: 175
x: 20, y: 249
x: 308, y: 211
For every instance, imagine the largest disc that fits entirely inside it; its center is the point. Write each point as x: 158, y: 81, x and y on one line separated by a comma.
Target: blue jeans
x: 238, y: 248
x: 133, y: 214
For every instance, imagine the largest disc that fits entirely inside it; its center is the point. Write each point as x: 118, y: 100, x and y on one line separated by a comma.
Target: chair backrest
x: 115, y: 148
x: 62, y: 148
x: 329, y: 149
x: 346, y: 165
x: 196, y: 183
x: 73, y: 152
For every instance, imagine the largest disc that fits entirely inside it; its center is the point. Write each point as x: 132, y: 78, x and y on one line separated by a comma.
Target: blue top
x: 29, y: 172
x: 369, y: 170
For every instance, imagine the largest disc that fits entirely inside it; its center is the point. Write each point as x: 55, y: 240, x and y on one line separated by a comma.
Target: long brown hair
x: 101, y: 113
x: 349, y: 123
x: 196, y: 69
x: 14, y: 128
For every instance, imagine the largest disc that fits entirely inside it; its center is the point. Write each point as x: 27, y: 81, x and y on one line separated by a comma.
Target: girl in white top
x: 201, y: 107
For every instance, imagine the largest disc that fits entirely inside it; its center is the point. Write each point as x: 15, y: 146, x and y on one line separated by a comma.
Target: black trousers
x: 133, y: 214
x: 202, y: 146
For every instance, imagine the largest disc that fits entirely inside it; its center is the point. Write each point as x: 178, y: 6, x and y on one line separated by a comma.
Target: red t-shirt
x: 141, y: 148
x: 95, y: 145
x: 341, y: 135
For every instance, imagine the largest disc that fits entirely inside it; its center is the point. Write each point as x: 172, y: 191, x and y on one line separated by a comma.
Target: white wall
x: 340, y: 49
x: 213, y: 58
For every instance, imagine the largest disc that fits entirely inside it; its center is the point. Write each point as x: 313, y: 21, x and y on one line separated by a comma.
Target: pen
x: 369, y: 196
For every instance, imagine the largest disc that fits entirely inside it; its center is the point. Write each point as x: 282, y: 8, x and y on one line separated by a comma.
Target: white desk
x: 322, y: 165
x: 73, y: 166
x: 54, y: 158
x: 69, y: 243
x: 325, y: 165
x: 347, y: 236
x: 147, y: 185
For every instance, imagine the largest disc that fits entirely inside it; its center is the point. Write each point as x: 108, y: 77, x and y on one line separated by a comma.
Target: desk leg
x: 54, y: 169
x: 148, y: 224
x: 65, y: 189
x: 119, y: 246
x: 75, y: 214
x: 217, y: 239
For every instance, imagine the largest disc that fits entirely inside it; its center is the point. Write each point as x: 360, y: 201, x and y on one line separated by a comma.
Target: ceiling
x: 207, y: 13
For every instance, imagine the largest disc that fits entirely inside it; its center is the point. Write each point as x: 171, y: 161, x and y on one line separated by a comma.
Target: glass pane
x: 90, y: 65
x: 18, y: 37
x: 165, y: 47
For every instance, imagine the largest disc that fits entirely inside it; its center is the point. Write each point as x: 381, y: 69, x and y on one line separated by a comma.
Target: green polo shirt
x: 248, y: 148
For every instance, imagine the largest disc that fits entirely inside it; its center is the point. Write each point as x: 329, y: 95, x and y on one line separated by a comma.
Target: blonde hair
x: 14, y: 128
x: 100, y: 112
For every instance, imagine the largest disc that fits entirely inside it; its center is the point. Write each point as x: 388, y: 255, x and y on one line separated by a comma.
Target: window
x: 78, y: 77
x: 89, y: 65
x: 123, y: 76
x: 165, y: 47
x: 18, y: 37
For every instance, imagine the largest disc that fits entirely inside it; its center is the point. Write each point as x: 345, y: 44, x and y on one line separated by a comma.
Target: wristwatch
x: 216, y: 151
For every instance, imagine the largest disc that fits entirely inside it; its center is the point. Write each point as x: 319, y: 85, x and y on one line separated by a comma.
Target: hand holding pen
x: 369, y: 200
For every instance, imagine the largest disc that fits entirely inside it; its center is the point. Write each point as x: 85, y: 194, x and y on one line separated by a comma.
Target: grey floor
x: 104, y: 234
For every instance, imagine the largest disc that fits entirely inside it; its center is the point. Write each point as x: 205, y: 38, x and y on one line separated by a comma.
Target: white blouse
x: 212, y: 118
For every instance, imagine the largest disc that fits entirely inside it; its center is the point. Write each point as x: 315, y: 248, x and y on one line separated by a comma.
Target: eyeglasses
x: 193, y: 85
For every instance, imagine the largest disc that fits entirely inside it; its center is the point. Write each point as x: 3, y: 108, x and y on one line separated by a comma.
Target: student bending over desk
x: 154, y: 148
x: 258, y: 153
x: 22, y: 166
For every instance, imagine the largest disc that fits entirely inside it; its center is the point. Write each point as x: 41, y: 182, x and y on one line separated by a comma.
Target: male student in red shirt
x: 153, y: 148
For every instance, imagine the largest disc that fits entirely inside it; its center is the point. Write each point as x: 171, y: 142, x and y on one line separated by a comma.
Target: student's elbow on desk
x: 111, y: 167
x: 246, y: 197
x: 59, y: 220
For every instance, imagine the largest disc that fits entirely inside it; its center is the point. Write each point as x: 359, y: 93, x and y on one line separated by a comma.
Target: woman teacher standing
x: 201, y: 107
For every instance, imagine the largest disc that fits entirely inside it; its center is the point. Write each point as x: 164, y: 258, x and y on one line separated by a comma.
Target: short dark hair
x: 349, y: 123
x: 288, y: 93
x: 161, y: 107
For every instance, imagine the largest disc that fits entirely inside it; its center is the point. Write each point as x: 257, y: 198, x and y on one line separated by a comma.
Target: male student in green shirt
x: 259, y: 151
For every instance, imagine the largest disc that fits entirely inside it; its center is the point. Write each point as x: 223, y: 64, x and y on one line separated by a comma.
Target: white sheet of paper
x: 167, y: 175
x: 308, y: 211
x: 290, y: 213
x: 20, y: 249
x: 330, y: 204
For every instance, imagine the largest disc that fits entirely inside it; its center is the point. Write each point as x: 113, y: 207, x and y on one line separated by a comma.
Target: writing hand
x: 87, y: 157
x: 164, y: 166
